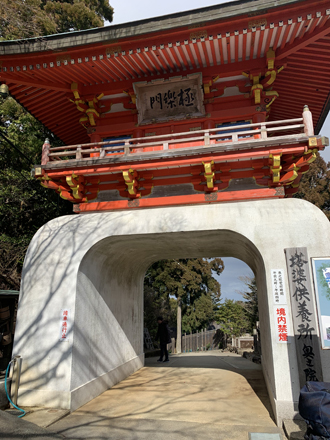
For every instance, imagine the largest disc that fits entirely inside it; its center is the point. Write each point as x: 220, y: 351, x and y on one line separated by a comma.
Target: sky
x: 132, y: 10
x: 230, y: 278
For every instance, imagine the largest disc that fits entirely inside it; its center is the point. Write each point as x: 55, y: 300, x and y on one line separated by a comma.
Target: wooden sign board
x: 172, y: 99
x: 304, y: 317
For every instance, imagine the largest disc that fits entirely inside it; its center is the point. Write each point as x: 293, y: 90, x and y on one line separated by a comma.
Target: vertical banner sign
x: 304, y: 317
x: 65, y: 325
x: 280, y: 307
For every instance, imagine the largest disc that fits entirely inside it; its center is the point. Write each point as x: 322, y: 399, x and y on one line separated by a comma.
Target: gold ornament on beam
x: 261, y: 88
x: 88, y: 106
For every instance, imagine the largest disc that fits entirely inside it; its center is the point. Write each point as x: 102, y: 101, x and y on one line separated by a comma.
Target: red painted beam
x: 195, y: 199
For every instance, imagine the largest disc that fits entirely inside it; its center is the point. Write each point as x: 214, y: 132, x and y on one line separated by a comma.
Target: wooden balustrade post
x: 126, y: 148
x: 263, y: 131
x: 234, y: 137
x: 95, y: 138
x: 45, y: 152
x: 207, y: 139
x: 308, y: 122
x: 78, y: 152
x: 258, y: 117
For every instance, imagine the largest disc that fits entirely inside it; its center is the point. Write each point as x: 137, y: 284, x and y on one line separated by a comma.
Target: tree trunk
x: 178, y: 327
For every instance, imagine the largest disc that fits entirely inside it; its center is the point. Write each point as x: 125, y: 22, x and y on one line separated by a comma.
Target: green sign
x: 321, y: 269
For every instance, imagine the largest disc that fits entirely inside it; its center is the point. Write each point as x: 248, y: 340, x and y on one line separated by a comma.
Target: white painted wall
x: 94, y: 264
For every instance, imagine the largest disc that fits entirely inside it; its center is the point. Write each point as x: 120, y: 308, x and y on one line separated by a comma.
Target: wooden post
x: 95, y: 138
x: 185, y: 342
x: 308, y: 122
x: 78, y: 152
x: 259, y: 117
x: 126, y: 148
x: 45, y: 152
x: 207, y: 139
x: 305, y: 334
x: 178, y: 327
x: 263, y: 131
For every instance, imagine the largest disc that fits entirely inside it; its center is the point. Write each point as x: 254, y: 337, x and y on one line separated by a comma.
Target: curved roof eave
x: 63, y: 41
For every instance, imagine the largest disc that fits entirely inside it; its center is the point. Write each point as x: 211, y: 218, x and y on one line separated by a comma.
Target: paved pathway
x: 195, y: 396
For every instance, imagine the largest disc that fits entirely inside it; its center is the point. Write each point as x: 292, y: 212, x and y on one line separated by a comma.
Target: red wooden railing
x: 228, y: 138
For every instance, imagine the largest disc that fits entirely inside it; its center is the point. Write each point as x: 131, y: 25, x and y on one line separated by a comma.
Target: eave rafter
x: 296, y: 32
x: 35, y: 83
x: 305, y: 41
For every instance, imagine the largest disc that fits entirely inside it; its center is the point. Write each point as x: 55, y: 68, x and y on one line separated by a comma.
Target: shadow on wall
x: 95, y: 267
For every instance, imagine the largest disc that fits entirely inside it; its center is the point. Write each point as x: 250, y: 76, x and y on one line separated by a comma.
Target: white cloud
x: 229, y: 279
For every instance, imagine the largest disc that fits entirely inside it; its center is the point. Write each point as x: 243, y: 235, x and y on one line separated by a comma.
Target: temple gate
x: 208, y: 117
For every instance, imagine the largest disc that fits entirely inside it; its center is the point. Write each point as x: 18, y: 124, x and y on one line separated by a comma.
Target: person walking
x: 164, y: 337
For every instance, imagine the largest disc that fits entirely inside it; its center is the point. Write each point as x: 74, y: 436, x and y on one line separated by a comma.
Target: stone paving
x: 195, y: 396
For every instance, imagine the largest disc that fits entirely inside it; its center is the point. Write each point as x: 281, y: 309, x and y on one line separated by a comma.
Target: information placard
x: 279, y: 293
x: 321, y: 275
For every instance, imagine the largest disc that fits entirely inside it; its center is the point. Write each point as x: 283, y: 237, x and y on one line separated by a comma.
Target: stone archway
x: 94, y: 265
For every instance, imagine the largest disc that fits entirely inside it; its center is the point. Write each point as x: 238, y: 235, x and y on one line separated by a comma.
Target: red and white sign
x: 281, y: 323
x: 65, y: 325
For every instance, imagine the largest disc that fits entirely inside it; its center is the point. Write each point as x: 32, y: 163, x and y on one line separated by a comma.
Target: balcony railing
x: 229, y: 138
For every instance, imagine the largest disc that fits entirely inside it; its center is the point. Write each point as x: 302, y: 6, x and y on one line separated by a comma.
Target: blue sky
x: 132, y: 10
x: 229, y: 279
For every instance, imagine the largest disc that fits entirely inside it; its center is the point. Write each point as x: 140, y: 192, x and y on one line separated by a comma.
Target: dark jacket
x: 163, y: 333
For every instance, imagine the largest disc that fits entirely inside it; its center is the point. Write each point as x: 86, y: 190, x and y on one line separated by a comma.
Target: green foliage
x: 315, y: 185
x: 200, y: 314
x: 78, y: 14
x: 24, y: 19
x: 251, y: 302
x: 187, y: 279
x: 35, y: 18
x: 12, y: 251
x: 24, y: 205
x: 231, y: 316
x: 191, y: 282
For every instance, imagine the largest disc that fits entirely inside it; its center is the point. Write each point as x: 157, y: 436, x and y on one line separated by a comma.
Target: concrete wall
x: 94, y: 265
